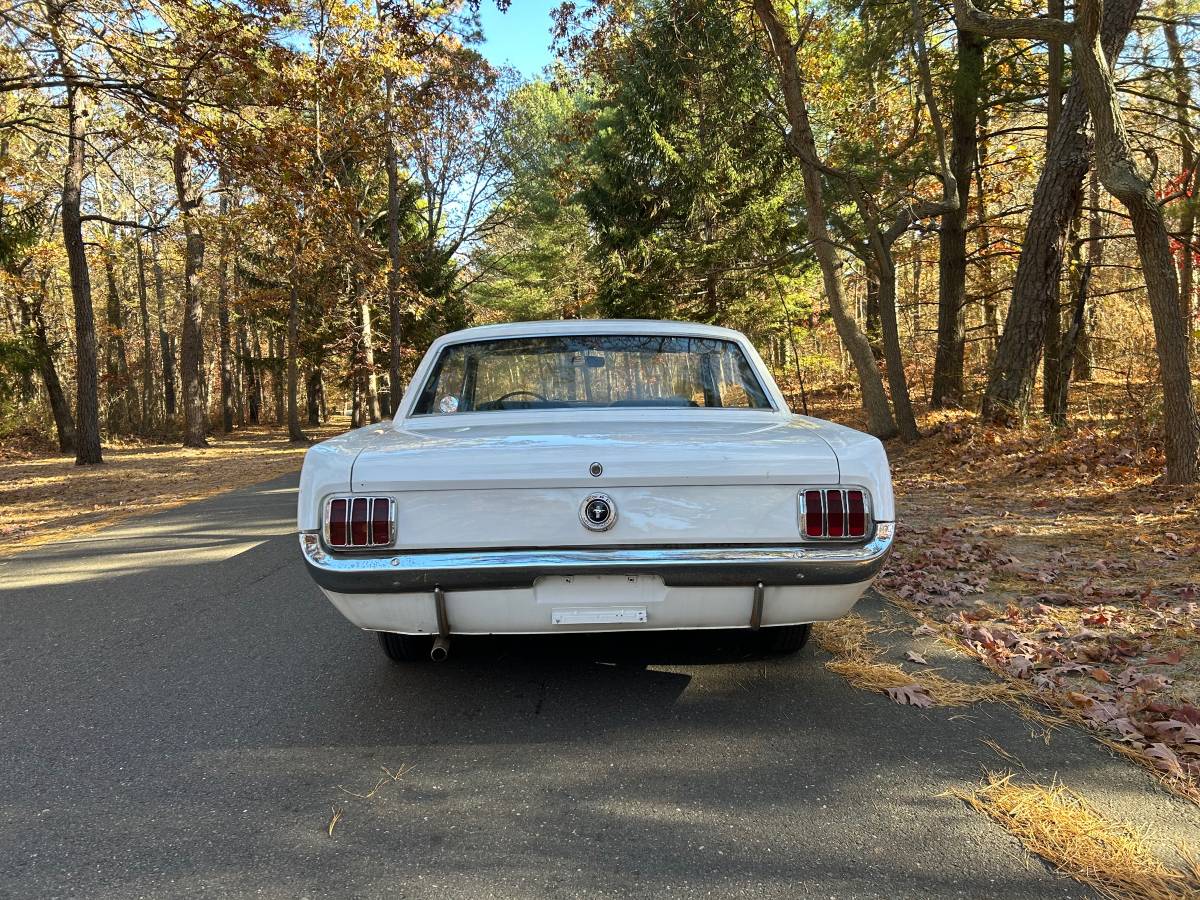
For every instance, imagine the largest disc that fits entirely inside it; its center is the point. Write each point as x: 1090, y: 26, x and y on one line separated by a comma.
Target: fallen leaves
x: 910, y: 695
x: 1165, y: 759
x: 1063, y: 575
x: 1172, y: 658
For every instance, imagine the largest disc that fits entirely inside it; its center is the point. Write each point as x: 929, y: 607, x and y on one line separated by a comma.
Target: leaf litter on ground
x: 1066, y: 569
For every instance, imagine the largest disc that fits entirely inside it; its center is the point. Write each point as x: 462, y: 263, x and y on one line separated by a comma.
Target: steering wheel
x: 512, y: 394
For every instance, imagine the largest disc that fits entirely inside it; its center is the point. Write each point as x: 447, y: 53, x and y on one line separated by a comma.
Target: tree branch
x: 970, y: 18
x: 120, y: 223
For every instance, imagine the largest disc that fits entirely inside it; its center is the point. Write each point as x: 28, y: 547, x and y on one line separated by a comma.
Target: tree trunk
x: 1052, y: 338
x: 87, y: 405
x: 146, y: 363
x: 1057, y: 195
x: 64, y: 426
x: 357, y: 419
x: 275, y: 344
x: 313, y: 395
x: 166, y: 346
x: 871, y: 320
x: 239, y: 364
x: 1055, y: 393
x: 26, y: 389
x: 224, y: 351
x: 1187, y: 163
x: 396, y: 343
x: 987, y: 282
x: 1084, y: 353
x: 952, y: 236
x: 293, y: 354
x: 116, y: 362
x: 191, y: 362
x: 370, y: 380
x: 897, y: 380
x: 1053, y: 334
x: 250, y: 376
x: 110, y: 335
x: 1080, y: 282
x: 801, y: 145
x: 1121, y: 178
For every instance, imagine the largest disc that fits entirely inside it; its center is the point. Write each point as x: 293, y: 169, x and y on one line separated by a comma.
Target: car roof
x: 588, y: 326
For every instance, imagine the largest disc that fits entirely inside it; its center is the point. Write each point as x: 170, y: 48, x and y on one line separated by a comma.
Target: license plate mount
x: 608, y: 591
x: 599, y: 615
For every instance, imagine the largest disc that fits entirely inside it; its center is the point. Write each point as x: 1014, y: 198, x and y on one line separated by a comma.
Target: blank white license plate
x: 598, y: 615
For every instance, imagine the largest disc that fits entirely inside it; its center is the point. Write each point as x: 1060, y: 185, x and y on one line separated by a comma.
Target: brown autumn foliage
x: 1062, y: 562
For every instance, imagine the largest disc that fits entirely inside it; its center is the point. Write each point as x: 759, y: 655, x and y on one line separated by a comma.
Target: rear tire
x: 784, y: 639
x: 405, y: 648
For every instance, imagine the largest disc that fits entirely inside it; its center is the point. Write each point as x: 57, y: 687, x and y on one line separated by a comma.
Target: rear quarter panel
x: 326, y: 470
x: 863, y: 462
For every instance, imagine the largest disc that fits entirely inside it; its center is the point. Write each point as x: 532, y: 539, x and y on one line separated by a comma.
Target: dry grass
x: 43, y: 495
x: 334, y: 818
x: 856, y: 658
x: 385, y: 781
x: 1059, y: 826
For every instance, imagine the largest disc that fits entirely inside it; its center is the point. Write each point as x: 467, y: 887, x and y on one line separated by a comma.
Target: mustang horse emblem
x: 598, y: 512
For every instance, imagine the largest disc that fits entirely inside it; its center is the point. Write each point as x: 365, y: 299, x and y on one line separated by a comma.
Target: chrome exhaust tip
x: 440, y: 650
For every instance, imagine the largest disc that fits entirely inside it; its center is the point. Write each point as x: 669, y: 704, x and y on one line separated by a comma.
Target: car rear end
x: 587, y: 518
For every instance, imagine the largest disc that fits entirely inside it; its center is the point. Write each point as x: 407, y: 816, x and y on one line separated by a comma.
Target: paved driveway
x: 180, y: 711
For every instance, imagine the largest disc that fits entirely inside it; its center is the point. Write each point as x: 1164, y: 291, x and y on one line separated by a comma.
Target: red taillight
x: 814, y: 515
x: 337, y: 523
x: 359, y: 522
x: 835, y: 513
x: 857, y: 514
x: 834, y: 520
x: 381, y: 521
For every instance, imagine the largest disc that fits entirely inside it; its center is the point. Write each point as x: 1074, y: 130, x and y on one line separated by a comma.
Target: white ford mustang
x: 549, y: 477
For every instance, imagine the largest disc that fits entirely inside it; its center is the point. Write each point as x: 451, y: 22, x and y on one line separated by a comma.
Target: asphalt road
x: 181, y: 711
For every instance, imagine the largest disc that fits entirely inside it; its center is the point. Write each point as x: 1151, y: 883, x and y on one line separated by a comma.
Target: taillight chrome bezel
x: 842, y: 492
x: 372, y: 501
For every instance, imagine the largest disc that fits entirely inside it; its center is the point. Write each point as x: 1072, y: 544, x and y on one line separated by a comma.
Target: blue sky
x: 520, y: 37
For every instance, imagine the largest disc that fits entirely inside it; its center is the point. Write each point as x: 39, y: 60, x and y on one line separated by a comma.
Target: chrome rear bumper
x: 808, y: 564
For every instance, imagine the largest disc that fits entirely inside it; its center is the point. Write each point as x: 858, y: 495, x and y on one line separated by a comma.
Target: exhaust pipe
x: 441, y: 644
x: 440, y: 649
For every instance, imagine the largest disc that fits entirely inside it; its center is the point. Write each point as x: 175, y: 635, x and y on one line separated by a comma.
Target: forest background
x: 214, y: 215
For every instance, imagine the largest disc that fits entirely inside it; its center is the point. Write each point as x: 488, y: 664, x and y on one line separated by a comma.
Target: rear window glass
x: 591, y: 371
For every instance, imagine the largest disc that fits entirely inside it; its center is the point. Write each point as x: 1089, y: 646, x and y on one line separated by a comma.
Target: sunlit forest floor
x: 1064, y: 565
x: 46, y: 496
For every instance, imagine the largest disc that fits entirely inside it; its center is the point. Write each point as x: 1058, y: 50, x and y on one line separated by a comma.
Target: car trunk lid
x: 717, y: 448
x: 708, y: 479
